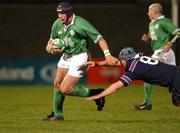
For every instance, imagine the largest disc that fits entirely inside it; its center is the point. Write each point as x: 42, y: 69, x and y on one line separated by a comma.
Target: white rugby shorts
x: 74, y: 64
x: 166, y: 57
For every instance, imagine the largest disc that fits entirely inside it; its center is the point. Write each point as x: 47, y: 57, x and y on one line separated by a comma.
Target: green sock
x: 84, y: 91
x: 58, y: 103
x: 148, y: 93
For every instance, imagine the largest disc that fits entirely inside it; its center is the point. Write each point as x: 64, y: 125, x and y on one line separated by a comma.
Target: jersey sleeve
x: 90, y: 31
x: 127, y: 78
x: 170, y: 27
x: 53, y: 34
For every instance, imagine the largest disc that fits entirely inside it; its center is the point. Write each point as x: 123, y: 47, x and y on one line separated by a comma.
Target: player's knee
x: 65, y: 90
x: 57, y: 85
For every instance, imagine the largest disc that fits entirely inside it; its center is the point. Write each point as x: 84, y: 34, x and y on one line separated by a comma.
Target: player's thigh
x: 68, y: 83
x: 76, y: 66
x: 75, y: 71
x: 60, y: 74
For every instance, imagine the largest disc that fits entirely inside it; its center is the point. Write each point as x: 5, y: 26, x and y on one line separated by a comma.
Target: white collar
x: 72, y: 22
x: 160, y: 17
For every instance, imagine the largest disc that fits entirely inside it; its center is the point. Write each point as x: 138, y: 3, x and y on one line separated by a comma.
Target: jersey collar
x: 72, y: 22
x: 160, y: 17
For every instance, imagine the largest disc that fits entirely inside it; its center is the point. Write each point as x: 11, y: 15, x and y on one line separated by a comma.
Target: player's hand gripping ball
x: 55, y: 46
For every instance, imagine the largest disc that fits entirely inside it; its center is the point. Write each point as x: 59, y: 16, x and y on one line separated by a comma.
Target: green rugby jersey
x: 160, y: 32
x: 75, y: 36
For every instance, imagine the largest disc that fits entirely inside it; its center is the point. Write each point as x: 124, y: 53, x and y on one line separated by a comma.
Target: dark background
x: 25, y: 25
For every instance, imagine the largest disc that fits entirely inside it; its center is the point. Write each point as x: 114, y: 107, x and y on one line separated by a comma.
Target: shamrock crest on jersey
x: 68, y: 42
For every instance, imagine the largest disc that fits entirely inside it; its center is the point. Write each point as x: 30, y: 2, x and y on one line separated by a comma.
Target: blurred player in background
x: 148, y: 69
x: 72, y: 33
x: 162, y: 34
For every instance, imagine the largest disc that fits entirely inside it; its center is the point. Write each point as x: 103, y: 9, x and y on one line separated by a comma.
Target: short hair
x: 157, y: 7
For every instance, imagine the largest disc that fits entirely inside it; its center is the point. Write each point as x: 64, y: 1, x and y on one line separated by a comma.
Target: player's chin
x: 63, y: 21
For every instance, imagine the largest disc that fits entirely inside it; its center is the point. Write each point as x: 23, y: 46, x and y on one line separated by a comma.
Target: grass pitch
x: 22, y: 109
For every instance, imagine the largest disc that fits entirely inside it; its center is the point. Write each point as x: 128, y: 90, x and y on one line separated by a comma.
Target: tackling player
x: 73, y: 32
x: 148, y: 69
x: 162, y: 34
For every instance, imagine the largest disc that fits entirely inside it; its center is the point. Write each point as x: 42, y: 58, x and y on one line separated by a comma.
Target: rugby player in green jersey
x: 162, y: 34
x: 72, y: 33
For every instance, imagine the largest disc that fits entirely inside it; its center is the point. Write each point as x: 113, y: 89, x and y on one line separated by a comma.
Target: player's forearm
x: 109, y: 58
x: 171, y: 42
x: 101, y: 63
x: 104, y: 46
x: 105, y: 63
x: 176, y: 36
x: 111, y: 89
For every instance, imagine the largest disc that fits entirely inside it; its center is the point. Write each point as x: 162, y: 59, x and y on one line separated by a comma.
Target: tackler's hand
x: 91, y: 63
x: 93, y: 97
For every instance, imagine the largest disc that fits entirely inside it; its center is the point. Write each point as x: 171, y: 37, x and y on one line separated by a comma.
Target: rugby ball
x: 59, y: 44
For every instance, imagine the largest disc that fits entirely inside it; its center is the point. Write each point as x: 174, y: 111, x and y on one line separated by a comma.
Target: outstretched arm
x: 111, y: 89
x: 102, y: 63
